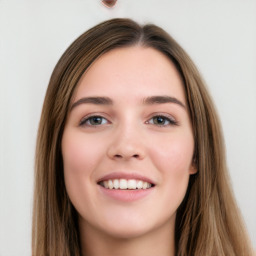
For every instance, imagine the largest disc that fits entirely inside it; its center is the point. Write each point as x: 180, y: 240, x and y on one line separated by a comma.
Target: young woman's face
x: 128, y: 144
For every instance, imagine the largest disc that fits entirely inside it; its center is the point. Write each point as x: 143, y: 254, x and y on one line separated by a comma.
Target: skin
x: 129, y: 140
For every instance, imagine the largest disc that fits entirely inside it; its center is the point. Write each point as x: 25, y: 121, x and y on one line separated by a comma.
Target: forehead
x: 135, y: 71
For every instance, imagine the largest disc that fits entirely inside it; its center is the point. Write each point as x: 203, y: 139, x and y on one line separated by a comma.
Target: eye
x: 161, y: 120
x: 93, y: 121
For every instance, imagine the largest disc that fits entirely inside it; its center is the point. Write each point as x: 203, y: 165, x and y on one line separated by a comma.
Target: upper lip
x: 124, y: 175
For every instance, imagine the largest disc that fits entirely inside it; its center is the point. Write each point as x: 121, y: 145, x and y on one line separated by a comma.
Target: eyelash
x: 171, y: 121
x: 87, y: 119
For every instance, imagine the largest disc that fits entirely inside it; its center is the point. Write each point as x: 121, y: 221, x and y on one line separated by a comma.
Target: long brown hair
x: 208, y: 221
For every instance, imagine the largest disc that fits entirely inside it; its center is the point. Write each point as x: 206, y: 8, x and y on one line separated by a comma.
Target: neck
x: 156, y: 242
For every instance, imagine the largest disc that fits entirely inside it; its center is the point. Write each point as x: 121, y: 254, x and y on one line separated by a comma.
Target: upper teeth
x: 125, y: 184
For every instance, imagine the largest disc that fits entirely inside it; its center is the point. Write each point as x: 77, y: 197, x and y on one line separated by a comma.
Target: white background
x: 219, y: 35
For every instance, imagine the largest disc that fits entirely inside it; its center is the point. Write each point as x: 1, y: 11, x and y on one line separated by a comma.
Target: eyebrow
x: 147, y: 101
x: 93, y: 100
x: 162, y: 99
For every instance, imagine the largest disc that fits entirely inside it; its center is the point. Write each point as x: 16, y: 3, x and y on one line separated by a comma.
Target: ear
x: 193, y: 168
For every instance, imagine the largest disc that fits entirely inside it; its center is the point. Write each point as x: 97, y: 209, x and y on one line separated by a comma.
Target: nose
x: 126, y: 144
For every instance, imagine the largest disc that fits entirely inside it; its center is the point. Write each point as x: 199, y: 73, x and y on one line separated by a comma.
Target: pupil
x: 96, y: 120
x: 159, y: 120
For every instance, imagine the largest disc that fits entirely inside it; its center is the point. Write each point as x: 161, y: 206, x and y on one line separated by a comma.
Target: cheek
x: 80, y: 159
x: 173, y: 160
x: 173, y: 155
x: 80, y: 155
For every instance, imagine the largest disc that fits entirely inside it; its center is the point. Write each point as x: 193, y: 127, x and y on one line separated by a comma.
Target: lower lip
x: 126, y: 195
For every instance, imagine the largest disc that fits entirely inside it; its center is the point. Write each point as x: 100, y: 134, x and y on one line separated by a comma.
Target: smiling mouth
x: 125, y: 184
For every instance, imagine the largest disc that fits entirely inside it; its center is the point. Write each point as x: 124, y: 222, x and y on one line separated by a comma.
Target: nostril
x: 120, y: 156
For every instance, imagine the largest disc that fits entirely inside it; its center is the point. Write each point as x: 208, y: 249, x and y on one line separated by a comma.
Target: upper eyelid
x: 103, y: 115
x: 149, y: 116
x: 168, y: 116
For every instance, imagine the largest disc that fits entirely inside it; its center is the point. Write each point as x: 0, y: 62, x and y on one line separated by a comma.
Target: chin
x: 131, y: 226
x: 125, y: 232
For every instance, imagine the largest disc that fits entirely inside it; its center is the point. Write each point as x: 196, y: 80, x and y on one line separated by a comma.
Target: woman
x: 130, y: 157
